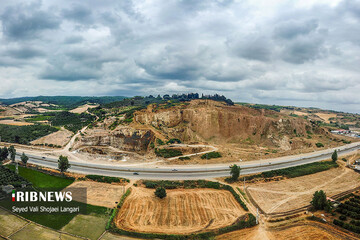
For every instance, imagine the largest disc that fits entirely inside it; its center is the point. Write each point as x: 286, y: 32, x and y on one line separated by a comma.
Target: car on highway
x: 135, y: 173
x: 174, y: 170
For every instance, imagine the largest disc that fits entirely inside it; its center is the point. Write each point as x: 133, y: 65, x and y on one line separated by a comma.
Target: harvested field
x: 15, y: 123
x: 291, y: 233
x: 9, y: 223
x: 326, y: 116
x: 100, y: 194
x: 297, y: 192
x: 183, y: 211
x: 60, y: 138
x: 82, y: 108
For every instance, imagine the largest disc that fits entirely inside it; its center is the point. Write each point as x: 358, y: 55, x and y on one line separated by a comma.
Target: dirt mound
x: 181, y: 212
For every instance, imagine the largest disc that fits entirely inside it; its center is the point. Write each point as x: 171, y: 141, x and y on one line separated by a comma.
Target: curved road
x: 194, y: 172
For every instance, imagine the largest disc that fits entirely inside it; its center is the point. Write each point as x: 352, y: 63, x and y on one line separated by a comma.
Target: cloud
x: 20, y: 23
x: 25, y: 53
x: 285, y: 52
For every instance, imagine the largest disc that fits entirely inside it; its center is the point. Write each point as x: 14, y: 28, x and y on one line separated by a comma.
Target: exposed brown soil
x: 82, y: 108
x: 308, y: 231
x: 182, y: 211
x: 61, y: 138
x: 15, y: 123
x: 99, y: 194
x: 297, y: 192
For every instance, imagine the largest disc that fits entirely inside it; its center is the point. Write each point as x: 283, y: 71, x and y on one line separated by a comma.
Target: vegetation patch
x: 106, y: 179
x: 211, y: 155
x: 167, y: 153
x: 297, y: 171
x: 8, y: 176
x: 41, y: 180
x: 24, y: 134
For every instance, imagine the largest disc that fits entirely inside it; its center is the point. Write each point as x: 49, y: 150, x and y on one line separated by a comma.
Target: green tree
x: 160, y: 192
x: 3, y: 154
x: 12, y: 152
x: 63, y: 163
x: 319, y: 200
x: 235, y: 172
x: 24, y: 158
x: 334, y: 156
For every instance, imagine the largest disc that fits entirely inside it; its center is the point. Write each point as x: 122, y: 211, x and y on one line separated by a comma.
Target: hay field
x: 183, y: 211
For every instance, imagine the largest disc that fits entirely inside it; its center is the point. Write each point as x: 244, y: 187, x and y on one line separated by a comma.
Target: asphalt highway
x: 194, y: 172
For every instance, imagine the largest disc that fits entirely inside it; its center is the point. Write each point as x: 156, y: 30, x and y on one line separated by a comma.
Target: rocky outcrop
x: 219, y: 123
x: 123, y: 138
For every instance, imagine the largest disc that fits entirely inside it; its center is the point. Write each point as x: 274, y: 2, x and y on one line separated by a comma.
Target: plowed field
x: 182, y: 211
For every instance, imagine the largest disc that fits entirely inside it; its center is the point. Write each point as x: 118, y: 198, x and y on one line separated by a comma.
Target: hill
x: 238, y: 132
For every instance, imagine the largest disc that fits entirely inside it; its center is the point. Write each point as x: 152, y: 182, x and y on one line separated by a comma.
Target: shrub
x: 319, y: 144
x: 211, y: 155
x: 105, y: 179
x: 173, y: 140
x: 342, y: 217
x: 167, y: 153
x: 184, y: 158
x: 160, y: 192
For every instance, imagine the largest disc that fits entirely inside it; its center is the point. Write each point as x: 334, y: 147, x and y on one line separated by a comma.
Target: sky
x: 302, y: 53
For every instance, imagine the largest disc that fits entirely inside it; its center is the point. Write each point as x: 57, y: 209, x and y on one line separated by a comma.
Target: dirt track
x: 181, y: 212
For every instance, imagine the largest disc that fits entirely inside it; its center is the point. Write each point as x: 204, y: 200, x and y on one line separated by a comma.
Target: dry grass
x: 326, y: 116
x: 82, y: 108
x: 100, y: 194
x: 297, y: 192
x: 15, y: 123
x: 61, y: 138
x: 292, y: 233
x: 183, y: 211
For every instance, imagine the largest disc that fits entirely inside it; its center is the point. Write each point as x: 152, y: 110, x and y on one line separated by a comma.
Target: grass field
x: 45, y: 181
x: 88, y: 226
x: 42, y: 180
x: 33, y: 231
x: 9, y: 223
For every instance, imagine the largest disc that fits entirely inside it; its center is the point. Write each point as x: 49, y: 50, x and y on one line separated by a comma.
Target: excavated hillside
x: 216, y: 122
x: 238, y: 132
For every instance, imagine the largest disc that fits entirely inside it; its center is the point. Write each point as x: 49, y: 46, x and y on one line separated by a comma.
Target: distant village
x: 348, y: 133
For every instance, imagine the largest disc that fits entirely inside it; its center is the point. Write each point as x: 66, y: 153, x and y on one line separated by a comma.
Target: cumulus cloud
x: 285, y: 52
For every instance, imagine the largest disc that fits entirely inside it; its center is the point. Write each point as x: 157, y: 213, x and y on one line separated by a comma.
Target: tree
x: 63, y: 163
x: 12, y: 152
x: 235, y: 172
x: 3, y: 154
x: 334, y: 156
x: 319, y: 200
x: 24, y: 158
x: 160, y: 192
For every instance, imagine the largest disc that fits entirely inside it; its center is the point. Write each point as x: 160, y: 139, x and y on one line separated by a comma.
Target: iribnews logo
x: 49, y: 196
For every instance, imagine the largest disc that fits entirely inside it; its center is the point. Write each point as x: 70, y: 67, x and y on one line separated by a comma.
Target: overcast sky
x: 304, y: 53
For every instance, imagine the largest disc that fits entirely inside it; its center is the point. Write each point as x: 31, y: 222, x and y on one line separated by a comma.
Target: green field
x: 42, y: 180
x: 9, y: 223
x: 88, y: 226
